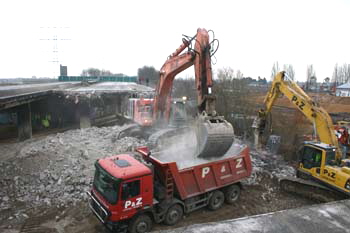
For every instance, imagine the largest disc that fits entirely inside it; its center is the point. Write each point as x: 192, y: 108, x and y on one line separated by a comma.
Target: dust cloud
x: 183, y: 150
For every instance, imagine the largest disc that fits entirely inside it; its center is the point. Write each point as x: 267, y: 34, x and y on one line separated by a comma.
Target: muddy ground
x: 43, y: 183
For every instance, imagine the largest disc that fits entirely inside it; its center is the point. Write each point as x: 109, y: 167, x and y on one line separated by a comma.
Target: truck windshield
x: 330, y: 158
x: 106, y: 184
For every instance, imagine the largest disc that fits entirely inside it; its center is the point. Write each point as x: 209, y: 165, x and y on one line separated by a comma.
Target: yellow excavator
x: 321, y: 172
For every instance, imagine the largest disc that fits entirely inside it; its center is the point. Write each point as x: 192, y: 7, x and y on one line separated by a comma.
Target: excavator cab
x: 311, y: 157
x: 319, y: 161
x: 314, y: 157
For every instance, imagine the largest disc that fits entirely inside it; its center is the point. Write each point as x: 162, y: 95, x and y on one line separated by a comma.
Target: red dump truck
x: 131, y: 191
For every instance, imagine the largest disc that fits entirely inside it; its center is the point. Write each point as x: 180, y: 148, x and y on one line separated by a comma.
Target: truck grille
x: 97, y: 208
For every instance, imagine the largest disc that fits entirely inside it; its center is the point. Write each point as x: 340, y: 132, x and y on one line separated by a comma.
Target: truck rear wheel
x: 174, y: 215
x: 140, y: 224
x: 216, y: 200
x: 232, y: 193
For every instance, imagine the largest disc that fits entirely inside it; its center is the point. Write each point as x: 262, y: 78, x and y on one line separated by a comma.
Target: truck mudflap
x: 99, y: 210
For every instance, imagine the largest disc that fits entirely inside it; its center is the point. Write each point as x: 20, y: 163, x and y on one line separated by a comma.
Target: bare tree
x: 335, y: 75
x: 310, y: 77
x: 341, y: 74
x: 239, y: 74
x: 97, y: 72
x: 289, y: 71
x: 148, y: 75
x: 225, y: 74
x: 91, y: 72
x: 184, y: 87
x: 275, y: 70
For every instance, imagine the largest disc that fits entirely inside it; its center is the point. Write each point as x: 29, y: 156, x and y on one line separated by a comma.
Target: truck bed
x: 195, y: 176
x: 186, y: 157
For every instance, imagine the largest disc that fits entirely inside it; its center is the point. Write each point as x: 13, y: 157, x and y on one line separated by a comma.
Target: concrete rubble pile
x: 57, y: 170
x: 273, y: 165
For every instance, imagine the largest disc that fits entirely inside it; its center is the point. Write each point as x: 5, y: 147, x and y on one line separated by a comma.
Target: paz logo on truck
x: 206, y: 170
x: 133, y: 204
x: 239, y: 163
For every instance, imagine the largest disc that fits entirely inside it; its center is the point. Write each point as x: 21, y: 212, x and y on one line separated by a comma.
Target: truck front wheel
x: 216, y: 200
x: 140, y: 224
x: 232, y: 194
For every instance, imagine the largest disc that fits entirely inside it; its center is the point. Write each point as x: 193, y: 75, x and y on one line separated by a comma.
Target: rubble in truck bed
x: 183, y: 151
x: 52, y: 173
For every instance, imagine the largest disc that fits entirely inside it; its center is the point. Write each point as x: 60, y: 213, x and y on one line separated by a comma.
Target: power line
x: 55, y: 37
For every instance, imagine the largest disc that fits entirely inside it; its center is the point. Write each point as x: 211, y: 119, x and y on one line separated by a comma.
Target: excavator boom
x: 214, y: 133
x: 318, y: 161
x: 319, y: 117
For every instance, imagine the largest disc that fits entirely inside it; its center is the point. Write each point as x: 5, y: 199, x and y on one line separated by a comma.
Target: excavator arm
x: 174, y: 65
x: 203, y: 73
x: 214, y: 133
x: 178, y: 62
x: 322, y: 122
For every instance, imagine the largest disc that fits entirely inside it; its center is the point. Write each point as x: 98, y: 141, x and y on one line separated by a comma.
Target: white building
x: 343, y: 90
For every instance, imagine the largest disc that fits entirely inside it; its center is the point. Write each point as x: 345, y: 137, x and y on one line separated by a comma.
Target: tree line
x: 97, y: 72
x: 148, y: 75
x: 341, y: 74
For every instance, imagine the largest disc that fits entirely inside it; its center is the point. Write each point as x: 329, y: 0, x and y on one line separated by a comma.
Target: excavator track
x: 130, y: 130
x: 309, y: 189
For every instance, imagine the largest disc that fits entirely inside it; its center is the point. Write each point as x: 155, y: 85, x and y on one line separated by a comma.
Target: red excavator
x: 214, y: 133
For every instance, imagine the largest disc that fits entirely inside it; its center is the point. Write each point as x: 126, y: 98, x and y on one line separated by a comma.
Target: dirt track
x: 255, y: 199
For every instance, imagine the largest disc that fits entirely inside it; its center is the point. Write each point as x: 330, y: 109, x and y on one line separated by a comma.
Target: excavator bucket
x: 214, y: 136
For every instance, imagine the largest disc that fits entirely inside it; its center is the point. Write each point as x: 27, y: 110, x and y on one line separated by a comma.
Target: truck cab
x: 317, y: 161
x: 122, y: 187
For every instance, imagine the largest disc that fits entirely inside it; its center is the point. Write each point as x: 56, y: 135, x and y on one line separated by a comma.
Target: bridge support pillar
x: 24, y: 122
x: 84, y: 115
x: 85, y: 121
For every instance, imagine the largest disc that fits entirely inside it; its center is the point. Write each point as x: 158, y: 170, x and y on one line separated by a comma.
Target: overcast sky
x: 122, y: 36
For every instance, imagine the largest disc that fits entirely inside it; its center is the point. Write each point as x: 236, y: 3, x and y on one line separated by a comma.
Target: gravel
x: 270, y: 164
x: 56, y: 170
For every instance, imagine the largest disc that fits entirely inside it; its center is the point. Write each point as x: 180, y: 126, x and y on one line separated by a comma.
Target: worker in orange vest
x: 344, y: 141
